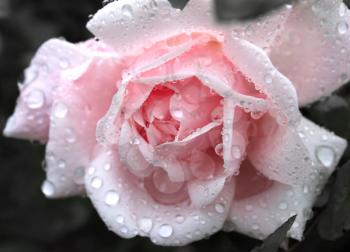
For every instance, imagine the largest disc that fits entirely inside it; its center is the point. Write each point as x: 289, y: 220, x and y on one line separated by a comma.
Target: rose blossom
x: 176, y: 126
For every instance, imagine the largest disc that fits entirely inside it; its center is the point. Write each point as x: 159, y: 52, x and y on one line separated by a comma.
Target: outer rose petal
x: 128, y: 209
x: 261, y: 214
x: 31, y: 118
x: 79, y: 103
x: 313, y: 50
x: 132, y: 17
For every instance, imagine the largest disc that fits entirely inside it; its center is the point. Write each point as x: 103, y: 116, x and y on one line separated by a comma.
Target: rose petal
x: 128, y: 209
x: 77, y: 107
x: 261, y: 213
x: 257, y: 67
x: 31, y: 117
x: 287, y: 154
x: 131, y: 17
x: 313, y: 50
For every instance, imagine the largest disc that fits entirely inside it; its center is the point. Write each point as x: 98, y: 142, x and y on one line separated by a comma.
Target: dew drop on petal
x: 342, y: 27
x: 111, y: 198
x: 179, y: 219
x: 120, y: 219
x: 178, y: 114
x: 35, y: 99
x: 255, y: 227
x: 135, y: 141
x: 96, y: 182
x: 48, y: 188
x: 165, y: 231
x: 236, y: 152
x: 219, y: 149
x: 145, y: 224
x: 283, y: 206
x: 60, y: 110
x: 220, y: 208
x: 325, y: 155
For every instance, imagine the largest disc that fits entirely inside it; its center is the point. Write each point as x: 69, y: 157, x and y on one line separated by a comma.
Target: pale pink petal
x: 31, y: 117
x: 198, y: 16
x: 78, y: 105
x: 129, y: 210
x: 313, y: 49
x: 256, y: 66
x: 204, y: 192
x: 260, y: 213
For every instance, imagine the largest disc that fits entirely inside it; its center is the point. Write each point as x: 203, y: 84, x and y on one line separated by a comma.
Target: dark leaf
x: 336, y: 217
x: 274, y: 241
x: 180, y: 4
x: 227, y: 10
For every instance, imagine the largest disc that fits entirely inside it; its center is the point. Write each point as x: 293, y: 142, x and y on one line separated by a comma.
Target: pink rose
x: 176, y: 126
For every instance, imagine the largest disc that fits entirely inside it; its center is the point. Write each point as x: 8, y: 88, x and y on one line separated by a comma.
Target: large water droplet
x: 145, y: 224
x: 165, y: 230
x: 60, y: 110
x: 48, y: 188
x: 35, y: 99
x: 325, y: 155
x: 111, y: 198
x: 342, y: 27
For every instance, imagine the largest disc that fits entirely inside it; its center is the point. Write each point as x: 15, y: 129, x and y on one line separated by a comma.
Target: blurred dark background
x: 31, y: 223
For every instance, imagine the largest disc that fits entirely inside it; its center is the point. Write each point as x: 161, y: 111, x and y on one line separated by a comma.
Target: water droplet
x: 70, y: 136
x: 96, y: 182
x: 325, y: 155
x: 283, y: 206
x: 135, y: 141
x: 48, y: 188
x: 249, y: 207
x: 61, y: 164
x: 127, y: 11
x: 255, y: 227
x: 342, y: 27
x: 64, y: 64
x: 111, y: 198
x: 60, y: 110
x: 268, y: 78
x: 178, y: 114
x: 236, y: 152
x: 216, y: 114
x: 107, y: 166
x: 220, y: 208
x: 165, y: 231
x: 91, y: 170
x: 219, y: 149
x: 179, y: 219
x: 120, y: 219
x: 35, y: 99
x: 145, y: 224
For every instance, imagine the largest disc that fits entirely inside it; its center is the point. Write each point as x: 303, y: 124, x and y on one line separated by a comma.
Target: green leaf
x: 336, y: 218
x: 274, y: 240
